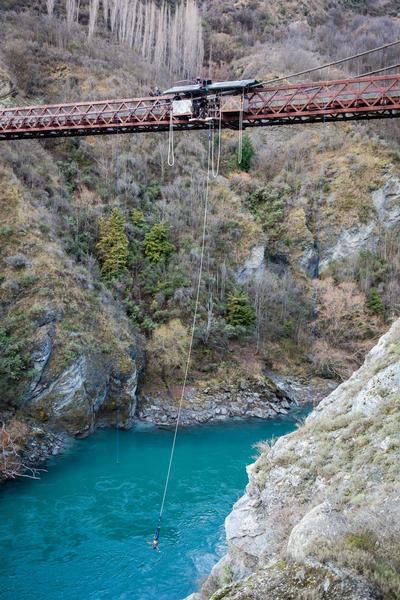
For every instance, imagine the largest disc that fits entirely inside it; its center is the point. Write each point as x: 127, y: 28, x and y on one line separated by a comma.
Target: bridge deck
x: 346, y: 99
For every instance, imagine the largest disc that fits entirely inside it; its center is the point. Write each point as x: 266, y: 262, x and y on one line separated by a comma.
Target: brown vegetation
x: 13, y: 436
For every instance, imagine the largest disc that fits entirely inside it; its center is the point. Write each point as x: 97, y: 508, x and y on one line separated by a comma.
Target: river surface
x: 81, y: 532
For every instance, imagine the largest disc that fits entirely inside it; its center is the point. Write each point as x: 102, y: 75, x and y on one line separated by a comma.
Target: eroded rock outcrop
x: 83, y: 396
x: 263, y: 397
x: 321, y: 511
x: 247, y: 398
x: 365, y: 236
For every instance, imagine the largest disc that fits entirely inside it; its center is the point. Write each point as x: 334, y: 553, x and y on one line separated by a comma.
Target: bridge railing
x: 302, y: 102
x: 367, y: 94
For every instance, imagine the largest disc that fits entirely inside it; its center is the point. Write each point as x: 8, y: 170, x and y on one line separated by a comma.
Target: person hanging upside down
x: 154, y: 543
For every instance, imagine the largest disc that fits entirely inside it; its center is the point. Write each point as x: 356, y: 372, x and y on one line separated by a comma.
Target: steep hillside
x: 320, y: 516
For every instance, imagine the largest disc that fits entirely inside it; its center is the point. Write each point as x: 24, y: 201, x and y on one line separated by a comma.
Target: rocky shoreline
x: 248, y: 398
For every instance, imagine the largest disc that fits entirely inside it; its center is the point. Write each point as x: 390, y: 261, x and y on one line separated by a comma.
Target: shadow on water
x: 82, y: 530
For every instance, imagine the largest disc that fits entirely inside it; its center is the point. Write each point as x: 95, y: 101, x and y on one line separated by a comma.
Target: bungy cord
x: 188, y: 360
x: 171, y: 153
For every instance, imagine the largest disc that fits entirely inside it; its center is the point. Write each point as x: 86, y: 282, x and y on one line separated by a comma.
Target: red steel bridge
x: 372, y: 97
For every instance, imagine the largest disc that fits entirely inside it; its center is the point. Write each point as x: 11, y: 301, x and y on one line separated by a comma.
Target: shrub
x: 113, y: 246
x: 239, y: 310
x: 168, y: 349
x: 18, y: 261
x: 137, y: 217
x: 11, y: 360
x: 247, y: 153
x: 14, y: 355
x: 288, y: 329
x: 157, y: 244
x: 267, y: 206
x: 363, y: 540
x: 374, y: 302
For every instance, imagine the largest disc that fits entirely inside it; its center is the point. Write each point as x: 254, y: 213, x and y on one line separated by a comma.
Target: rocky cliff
x: 320, y: 517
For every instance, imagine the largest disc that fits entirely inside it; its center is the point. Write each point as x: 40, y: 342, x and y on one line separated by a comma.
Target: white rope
x: 189, y: 356
x: 240, y: 145
x: 171, y: 153
x: 214, y: 171
x: 331, y: 64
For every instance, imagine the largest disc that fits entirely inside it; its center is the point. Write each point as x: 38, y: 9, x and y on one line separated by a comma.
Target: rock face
x: 322, y: 523
x: 281, y: 580
x: 322, y: 504
x: 246, y: 398
x: 254, y: 266
x: 349, y: 242
x: 337, y: 243
x: 82, y: 396
x: 249, y: 398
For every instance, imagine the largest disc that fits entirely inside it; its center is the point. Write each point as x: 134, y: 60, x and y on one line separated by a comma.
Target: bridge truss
x: 373, y: 97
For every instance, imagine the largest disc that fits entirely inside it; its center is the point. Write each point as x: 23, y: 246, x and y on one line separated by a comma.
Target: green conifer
x: 247, y: 153
x: 138, y: 219
x: 113, y: 246
x: 374, y: 302
x: 239, y: 310
x: 157, y: 244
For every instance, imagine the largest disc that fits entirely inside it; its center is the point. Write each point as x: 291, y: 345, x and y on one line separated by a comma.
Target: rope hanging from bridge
x: 240, y: 145
x: 189, y: 354
x: 215, y: 170
x: 171, y: 151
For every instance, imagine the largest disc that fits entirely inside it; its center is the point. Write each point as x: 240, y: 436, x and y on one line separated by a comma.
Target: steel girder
x: 374, y: 97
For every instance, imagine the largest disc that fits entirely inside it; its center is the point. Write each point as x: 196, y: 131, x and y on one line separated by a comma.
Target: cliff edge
x: 320, y: 517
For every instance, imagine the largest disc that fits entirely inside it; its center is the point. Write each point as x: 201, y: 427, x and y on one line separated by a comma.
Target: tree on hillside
x: 267, y: 206
x: 157, y: 244
x: 93, y: 10
x: 169, y: 36
x: 138, y: 218
x: 72, y: 11
x: 112, y: 247
x: 167, y: 349
x: 374, y: 302
x: 247, y: 153
x: 50, y: 7
x: 239, y: 310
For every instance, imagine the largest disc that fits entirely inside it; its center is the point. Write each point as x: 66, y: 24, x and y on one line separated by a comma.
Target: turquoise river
x: 81, y: 531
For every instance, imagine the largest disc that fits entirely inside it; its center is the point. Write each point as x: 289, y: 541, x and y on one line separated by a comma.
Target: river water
x: 81, y: 532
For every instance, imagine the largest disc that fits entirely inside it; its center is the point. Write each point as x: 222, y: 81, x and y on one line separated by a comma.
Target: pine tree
x: 113, y: 246
x: 240, y: 312
x: 374, y: 302
x: 138, y: 218
x: 247, y: 153
x: 157, y: 244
